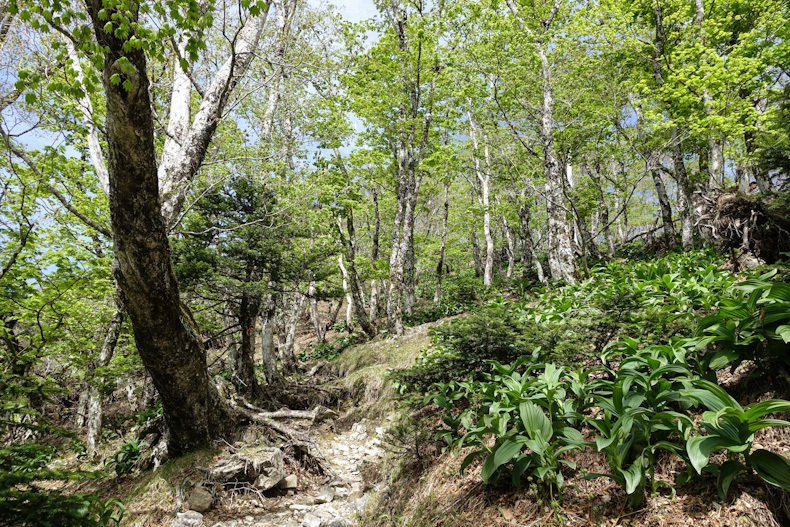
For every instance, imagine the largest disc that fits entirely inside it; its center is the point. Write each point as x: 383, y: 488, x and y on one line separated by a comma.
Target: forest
x: 465, y: 262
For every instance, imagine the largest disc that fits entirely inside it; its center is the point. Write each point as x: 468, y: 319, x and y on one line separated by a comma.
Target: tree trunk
x: 511, y: 248
x: 167, y: 338
x: 94, y: 407
x: 478, y: 261
x: 374, y: 256
x: 348, y: 245
x: 528, y: 255
x: 561, y: 261
x: 287, y: 350
x: 347, y: 293
x: 437, y: 295
x: 666, y: 208
x: 409, y: 278
x: 484, y: 178
x: 407, y: 161
x: 661, y: 191
x: 679, y: 165
x: 178, y: 168
x: 268, y: 355
x: 755, y: 170
x: 242, y: 367
x: 315, y: 315
x: 684, y: 192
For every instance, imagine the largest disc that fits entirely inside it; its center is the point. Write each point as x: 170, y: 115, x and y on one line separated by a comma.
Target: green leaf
x: 699, y: 449
x: 767, y: 407
x: 535, y: 420
x: 773, y: 468
x: 488, y: 469
x: 727, y: 473
x: 469, y: 458
x: 784, y: 332
x: 723, y: 358
x: 633, y: 477
x: 505, y: 452
x: 519, y: 467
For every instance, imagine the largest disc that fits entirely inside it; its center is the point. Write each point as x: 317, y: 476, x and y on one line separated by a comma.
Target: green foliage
x: 523, y: 411
x: 122, y: 462
x: 752, y: 325
x: 571, y: 325
x: 25, y: 500
x: 326, y: 351
x: 537, y: 411
x: 432, y: 313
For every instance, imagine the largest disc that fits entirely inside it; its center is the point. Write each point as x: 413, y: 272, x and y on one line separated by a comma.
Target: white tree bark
x: 94, y: 410
x: 86, y: 109
x: 562, y: 263
x: 484, y: 178
x: 178, y: 168
x: 349, y: 299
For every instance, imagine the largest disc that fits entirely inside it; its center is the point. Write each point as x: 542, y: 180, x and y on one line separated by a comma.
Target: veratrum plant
x: 732, y: 427
x: 528, y: 415
x: 753, y: 326
x: 638, y: 419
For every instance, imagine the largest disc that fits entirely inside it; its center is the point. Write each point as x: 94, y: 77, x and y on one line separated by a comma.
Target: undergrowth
x: 624, y: 363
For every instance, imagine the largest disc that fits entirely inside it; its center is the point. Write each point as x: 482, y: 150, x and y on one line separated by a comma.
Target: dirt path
x: 336, y: 502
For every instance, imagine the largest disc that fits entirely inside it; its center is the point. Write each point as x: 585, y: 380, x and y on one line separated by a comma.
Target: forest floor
x: 385, y: 472
x: 353, y: 442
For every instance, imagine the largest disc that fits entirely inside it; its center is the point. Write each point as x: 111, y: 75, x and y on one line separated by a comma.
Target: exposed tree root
x: 300, y: 441
x: 755, y: 228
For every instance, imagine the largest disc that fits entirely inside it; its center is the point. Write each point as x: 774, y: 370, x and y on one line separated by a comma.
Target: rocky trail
x: 329, y: 501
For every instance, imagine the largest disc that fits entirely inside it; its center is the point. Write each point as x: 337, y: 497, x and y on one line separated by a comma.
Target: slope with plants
x: 620, y: 377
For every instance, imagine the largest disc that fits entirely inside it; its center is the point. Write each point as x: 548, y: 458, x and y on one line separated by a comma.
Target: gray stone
x: 325, y: 495
x: 361, y: 503
x: 291, y: 523
x: 339, y: 522
x: 200, y: 499
x: 311, y: 520
x: 188, y: 519
x: 289, y: 482
x: 259, y: 465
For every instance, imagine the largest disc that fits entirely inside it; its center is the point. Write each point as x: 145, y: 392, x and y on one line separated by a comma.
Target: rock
x: 188, y: 519
x: 249, y: 519
x: 300, y: 507
x: 379, y: 430
x: 291, y: 523
x: 361, y: 503
x: 310, y: 520
x: 288, y: 482
x: 325, y: 495
x: 200, y: 499
x: 261, y: 466
x: 325, y: 514
x: 339, y: 522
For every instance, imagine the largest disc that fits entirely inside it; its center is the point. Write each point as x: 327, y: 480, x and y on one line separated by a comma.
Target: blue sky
x: 356, y: 10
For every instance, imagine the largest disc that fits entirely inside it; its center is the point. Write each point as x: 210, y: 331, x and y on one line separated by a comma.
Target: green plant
x: 754, y: 325
x: 123, y: 461
x: 25, y: 499
x: 326, y: 351
x: 731, y: 427
x: 145, y: 415
x: 527, y: 414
